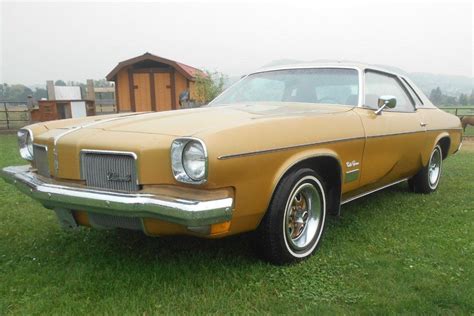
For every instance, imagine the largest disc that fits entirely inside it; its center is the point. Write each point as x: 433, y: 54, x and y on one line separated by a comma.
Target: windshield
x: 316, y: 85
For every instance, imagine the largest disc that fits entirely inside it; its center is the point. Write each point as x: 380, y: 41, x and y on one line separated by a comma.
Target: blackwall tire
x: 427, y: 179
x: 293, y: 226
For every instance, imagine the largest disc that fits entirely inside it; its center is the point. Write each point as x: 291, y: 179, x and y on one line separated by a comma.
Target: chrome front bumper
x: 173, y: 208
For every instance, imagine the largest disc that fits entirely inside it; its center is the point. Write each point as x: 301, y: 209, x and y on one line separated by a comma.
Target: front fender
x: 309, y: 158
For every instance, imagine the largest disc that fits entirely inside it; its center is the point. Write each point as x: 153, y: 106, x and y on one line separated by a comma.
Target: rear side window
x: 379, y: 84
x: 415, y: 95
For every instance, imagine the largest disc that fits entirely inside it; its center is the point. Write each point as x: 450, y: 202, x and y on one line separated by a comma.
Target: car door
x: 394, y: 137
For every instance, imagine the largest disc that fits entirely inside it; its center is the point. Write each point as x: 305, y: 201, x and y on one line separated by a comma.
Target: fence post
x: 6, y: 114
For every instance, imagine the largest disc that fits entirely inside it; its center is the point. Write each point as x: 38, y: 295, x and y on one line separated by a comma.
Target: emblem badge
x: 116, y: 177
x: 353, y: 163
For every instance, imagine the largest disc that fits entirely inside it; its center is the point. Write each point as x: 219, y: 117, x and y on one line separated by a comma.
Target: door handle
x: 423, y: 124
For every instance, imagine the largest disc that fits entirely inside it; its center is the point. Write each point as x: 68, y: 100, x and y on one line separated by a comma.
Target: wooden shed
x: 151, y: 83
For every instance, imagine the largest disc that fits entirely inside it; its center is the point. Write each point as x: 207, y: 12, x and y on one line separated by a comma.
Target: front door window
x: 378, y: 84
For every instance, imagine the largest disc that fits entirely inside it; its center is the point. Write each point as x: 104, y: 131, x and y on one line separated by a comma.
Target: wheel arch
x: 324, y: 162
x: 444, y: 139
x: 445, y: 144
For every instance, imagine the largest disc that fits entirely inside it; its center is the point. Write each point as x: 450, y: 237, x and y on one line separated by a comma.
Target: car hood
x: 190, y: 122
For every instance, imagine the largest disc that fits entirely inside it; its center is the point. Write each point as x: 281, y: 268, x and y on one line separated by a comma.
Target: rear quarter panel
x: 440, y: 124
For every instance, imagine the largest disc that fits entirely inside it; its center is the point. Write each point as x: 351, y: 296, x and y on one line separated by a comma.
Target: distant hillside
x: 450, y: 85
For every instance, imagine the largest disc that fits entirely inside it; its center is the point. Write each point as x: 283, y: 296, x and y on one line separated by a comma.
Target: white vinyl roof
x: 335, y: 64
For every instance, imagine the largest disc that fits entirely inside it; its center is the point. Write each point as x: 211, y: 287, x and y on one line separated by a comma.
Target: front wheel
x: 427, y: 179
x: 294, y: 223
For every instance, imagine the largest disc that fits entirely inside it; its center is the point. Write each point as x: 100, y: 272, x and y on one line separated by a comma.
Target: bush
x: 208, y: 86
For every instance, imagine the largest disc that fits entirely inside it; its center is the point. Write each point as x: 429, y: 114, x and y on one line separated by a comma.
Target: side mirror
x: 384, y: 101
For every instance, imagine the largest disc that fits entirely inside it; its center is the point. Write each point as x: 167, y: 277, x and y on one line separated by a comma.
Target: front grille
x: 112, y: 221
x: 40, y: 154
x: 109, y: 170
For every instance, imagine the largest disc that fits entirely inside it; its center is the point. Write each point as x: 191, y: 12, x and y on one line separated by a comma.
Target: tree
x: 208, y: 86
x: 448, y: 100
x: 20, y: 93
x: 3, y: 90
x: 436, y: 96
x: 40, y: 93
x: 16, y: 92
x: 463, y: 99
x: 102, y: 83
x: 471, y: 98
x: 60, y: 83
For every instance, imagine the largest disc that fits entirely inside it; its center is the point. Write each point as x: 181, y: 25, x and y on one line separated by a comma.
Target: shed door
x: 163, y: 91
x: 141, y: 85
x: 63, y: 110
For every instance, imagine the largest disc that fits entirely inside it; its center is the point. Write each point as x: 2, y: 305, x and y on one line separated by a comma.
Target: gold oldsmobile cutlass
x: 277, y: 152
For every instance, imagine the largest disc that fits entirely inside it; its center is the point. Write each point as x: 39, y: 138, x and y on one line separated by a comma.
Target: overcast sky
x: 80, y: 40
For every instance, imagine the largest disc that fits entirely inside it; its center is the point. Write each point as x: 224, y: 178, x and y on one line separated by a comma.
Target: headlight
x: 189, y: 160
x: 25, y: 143
x: 194, y: 160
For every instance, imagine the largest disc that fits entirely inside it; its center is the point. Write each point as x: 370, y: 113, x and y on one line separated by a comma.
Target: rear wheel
x: 427, y: 179
x: 293, y: 225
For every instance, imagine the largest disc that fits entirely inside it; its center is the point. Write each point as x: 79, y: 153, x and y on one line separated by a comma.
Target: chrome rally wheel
x: 434, y: 168
x: 304, y: 215
x: 427, y: 179
x: 294, y: 223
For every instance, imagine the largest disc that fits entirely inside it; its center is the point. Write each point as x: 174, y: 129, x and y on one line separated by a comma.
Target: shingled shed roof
x: 187, y: 71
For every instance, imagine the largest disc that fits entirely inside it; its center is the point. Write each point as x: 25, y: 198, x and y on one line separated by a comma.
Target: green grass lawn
x: 391, y: 252
x: 469, y: 130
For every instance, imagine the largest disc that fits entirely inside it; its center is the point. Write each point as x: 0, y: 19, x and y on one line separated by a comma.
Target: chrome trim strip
x: 351, y: 171
x: 266, y: 151
x: 176, y: 209
x: 361, y: 100
x: 71, y: 130
x: 110, y: 152
x: 444, y: 129
x: 414, y: 132
x: 395, y: 134
x: 372, y: 191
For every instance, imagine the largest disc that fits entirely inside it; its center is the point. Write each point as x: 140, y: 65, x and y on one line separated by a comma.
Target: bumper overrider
x: 191, y: 211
